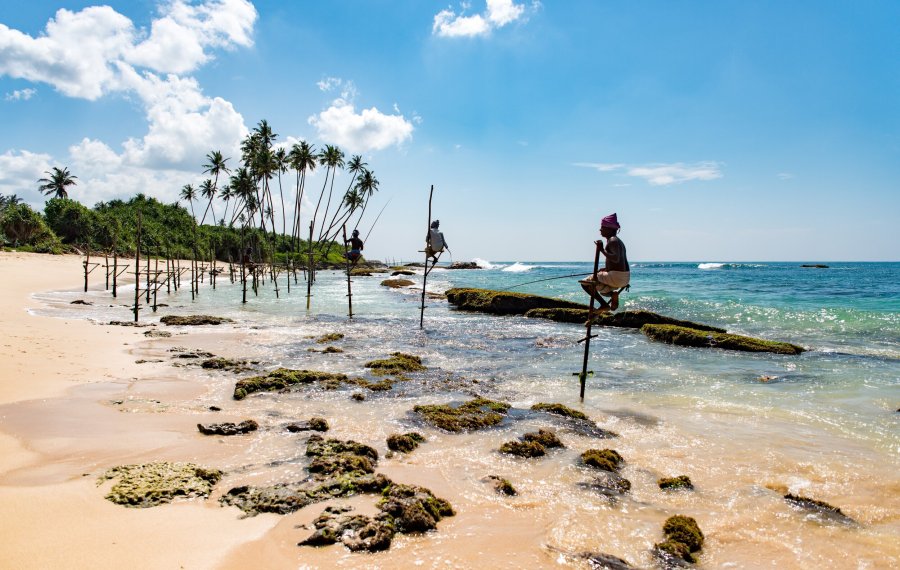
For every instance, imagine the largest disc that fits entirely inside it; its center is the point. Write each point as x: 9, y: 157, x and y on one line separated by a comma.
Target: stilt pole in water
x: 425, y: 274
x: 590, y: 322
x: 347, y: 257
x: 137, y: 270
x: 309, y: 267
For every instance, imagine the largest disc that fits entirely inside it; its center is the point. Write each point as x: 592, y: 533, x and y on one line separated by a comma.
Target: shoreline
x: 61, y: 427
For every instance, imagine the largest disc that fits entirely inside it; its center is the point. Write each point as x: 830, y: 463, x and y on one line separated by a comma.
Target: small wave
x: 728, y: 265
x: 485, y: 264
x: 518, y: 267
x: 711, y: 266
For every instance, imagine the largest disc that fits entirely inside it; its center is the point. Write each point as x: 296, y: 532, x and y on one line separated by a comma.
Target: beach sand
x: 53, y: 514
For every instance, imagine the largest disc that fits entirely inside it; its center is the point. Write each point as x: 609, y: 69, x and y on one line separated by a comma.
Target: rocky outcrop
x: 503, y: 302
x: 683, y: 336
x: 473, y: 415
x: 228, y: 428
x: 397, y: 283
x: 313, y: 424
x: 281, y: 379
x: 675, y: 483
x: 463, y: 265
x: 404, y: 442
x: 152, y: 484
x: 624, y: 319
x: 820, y: 509
x: 193, y: 320
x: 398, y: 363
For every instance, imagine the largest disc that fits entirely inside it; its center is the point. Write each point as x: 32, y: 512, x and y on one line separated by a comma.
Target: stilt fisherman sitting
x: 356, y: 247
x: 615, y: 276
x: 435, y: 242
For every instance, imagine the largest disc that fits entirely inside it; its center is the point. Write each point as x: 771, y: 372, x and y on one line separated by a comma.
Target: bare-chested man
x: 616, y: 273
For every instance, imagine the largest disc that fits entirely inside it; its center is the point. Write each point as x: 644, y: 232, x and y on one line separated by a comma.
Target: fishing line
x: 547, y: 279
x: 376, y: 220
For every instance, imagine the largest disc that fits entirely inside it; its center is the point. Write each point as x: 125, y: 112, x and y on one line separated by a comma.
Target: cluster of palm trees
x: 249, y: 187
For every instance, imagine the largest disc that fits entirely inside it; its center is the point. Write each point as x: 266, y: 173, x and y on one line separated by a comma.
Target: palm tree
x: 188, y: 193
x: 242, y: 188
x: 208, y: 191
x: 331, y: 158
x: 354, y: 166
x: 225, y: 194
x: 57, y: 182
x: 302, y: 158
x: 367, y: 186
x: 215, y: 165
x: 6, y: 201
x: 281, y: 166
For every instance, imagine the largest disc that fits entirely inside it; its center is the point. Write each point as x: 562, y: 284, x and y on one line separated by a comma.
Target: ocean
x: 746, y: 427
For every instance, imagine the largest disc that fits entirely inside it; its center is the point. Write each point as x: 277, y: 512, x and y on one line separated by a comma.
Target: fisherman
x: 435, y: 242
x: 356, y: 247
x: 616, y: 274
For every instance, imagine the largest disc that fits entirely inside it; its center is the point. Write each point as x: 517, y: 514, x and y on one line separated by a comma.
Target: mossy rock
x: 674, y: 483
x: 396, y: 364
x: 404, y: 272
x: 356, y: 532
x: 817, y: 507
x: 605, y: 459
x: 413, y: 508
x: 317, y: 446
x: 683, y: 336
x: 673, y: 554
x: 228, y: 428
x: 523, y: 449
x: 475, y: 414
x: 220, y: 363
x: 282, y: 378
x: 349, y: 464
x: 380, y: 386
x: 404, y: 442
x: 193, y: 320
x: 152, y: 484
x: 503, y: 302
x: 559, y: 410
x: 330, y: 337
x: 313, y: 424
x: 545, y: 437
x: 608, y: 483
x: 623, y: 319
x: 683, y: 529
x: 285, y: 498
x: 502, y: 486
x: 397, y: 283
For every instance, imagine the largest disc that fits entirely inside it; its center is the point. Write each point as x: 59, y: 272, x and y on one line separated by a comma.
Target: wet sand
x: 73, y: 403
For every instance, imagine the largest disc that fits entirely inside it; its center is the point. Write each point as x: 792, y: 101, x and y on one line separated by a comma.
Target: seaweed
x: 152, y: 484
x: 193, y: 320
x: 523, y: 448
x: 605, y: 459
x: 679, y: 482
x: 684, y: 336
x: 280, y: 379
x: 396, y: 364
x: 404, y: 442
x: 330, y: 337
x: 560, y: 410
x: 544, y: 437
x: 502, y: 486
x: 475, y: 414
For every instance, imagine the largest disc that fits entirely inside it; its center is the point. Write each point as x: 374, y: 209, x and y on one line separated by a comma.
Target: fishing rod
x: 376, y: 220
x: 547, y: 279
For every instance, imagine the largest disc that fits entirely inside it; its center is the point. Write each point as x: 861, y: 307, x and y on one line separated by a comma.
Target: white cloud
x: 499, y: 13
x: 20, y: 171
x: 21, y: 94
x: 370, y: 129
x: 663, y: 174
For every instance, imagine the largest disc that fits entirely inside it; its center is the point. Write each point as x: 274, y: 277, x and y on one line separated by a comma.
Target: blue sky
x: 716, y: 130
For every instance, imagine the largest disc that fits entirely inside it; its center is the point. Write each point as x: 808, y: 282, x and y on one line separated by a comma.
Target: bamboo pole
x: 425, y: 275
x: 309, y: 268
x: 115, y: 270
x: 148, y: 271
x: 347, y: 257
x: 87, y: 259
x: 243, y: 268
x: 587, y: 339
x: 137, y: 271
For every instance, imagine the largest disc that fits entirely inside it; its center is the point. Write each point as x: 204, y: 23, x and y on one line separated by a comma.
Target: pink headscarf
x: 610, y: 221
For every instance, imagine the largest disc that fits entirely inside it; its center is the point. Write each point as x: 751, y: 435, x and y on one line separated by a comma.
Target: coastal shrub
x: 22, y: 226
x: 72, y: 222
x: 684, y: 336
x: 475, y: 414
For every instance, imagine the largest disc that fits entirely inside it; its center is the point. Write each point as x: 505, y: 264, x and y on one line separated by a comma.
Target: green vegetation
x: 282, y: 378
x: 152, y: 484
x: 680, y: 482
x: 404, y: 442
x: 503, y: 302
x: 683, y: 538
x: 396, y: 364
x: 605, y: 459
x: 523, y: 448
x: 560, y: 410
x: 475, y: 414
x: 684, y: 336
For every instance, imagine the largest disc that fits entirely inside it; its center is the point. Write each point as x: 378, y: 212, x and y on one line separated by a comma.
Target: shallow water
x: 825, y: 427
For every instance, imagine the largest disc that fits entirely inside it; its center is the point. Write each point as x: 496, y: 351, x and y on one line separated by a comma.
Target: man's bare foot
x: 614, y: 301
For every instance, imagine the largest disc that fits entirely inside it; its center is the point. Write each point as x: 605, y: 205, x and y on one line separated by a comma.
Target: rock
x: 463, y: 265
x: 317, y: 446
x: 404, y: 272
x: 152, y: 484
x: 475, y: 414
x: 605, y: 459
x: 683, y: 538
x: 579, y: 422
x: 330, y: 337
x: 396, y: 364
x: 215, y: 409
x: 157, y: 334
x: 193, y: 320
x: 281, y: 379
x: 358, y: 396
x: 356, y: 532
x: 545, y: 437
x: 413, y: 508
x: 380, y: 386
x: 679, y: 482
x: 523, y: 449
x: 601, y: 561
x: 623, y: 319
x: 502, y: 486
x: 560, y: 410
x: 80, y: 302
x: 228, y: 428
x: 683, y: 336
x: 404, y: 442
x: 313, y: 424
x: 820, y: 509
x: 397, y: 283
x: 130, y: 324
x: 503, y: 302
x: 219, y: 363
x: 609, y: 484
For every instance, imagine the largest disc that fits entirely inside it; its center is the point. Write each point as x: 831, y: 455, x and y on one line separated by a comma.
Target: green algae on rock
x: 356, y: 532
x: 330, y: 337
x: 404, y: 442
x: 220, y: 363
x: 413, y: 508
x: 397, y: 283
x: 608, y: 483
x: 473, y: 415
x: 816, y: 507
x: 527, y: 449
x: 502, y: 485
x: 544, y: 437
x: 684, y: 336
x: 503, y: 302
x: 679, y: 482
x: 193, y: 320
x: 396, y: 364
x: 683, y: 539
x: 313, y: 424
x: 280, y: 379
x: 605, y: 459
x: 623, y: 319
x: 152, y: 484
x: 559, y: 410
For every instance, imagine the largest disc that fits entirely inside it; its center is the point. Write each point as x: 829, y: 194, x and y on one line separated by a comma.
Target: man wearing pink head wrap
x: 616, y: 274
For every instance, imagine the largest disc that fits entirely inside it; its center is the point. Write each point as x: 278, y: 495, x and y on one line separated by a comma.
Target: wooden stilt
x: 310, y: 271
x: 347, y: 257
x: 425, y: 275
x: 137, y: 270
x: 587, y: 339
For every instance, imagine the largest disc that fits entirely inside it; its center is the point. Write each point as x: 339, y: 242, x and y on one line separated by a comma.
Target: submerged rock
x: 523, y: 449
x: 683, y: 538
x: 475, y: 414
x: 313, y: 424
x: 157, y: 334
x: 282, y: 378
x: 463, y: 265
x: 679, y: 482
x: 397, y: 283
x: 684, y: 336
x: 819, y: 508
x: 605, y: 459
x: 404, y: 272
x: 608, y: 483
x: 220, y: 363
x: 503, y: 302
x: 356, y: 532
x: 404, y: 442
x: 559, y: 410
x: 193, y: 320
x: 578, y: 421
x: 228, y: 428
x: 330, y: 337
x: 396, y: 364
x: 80, y: 302
x: 623, y: 319
x: 601, y: 561
x: 413, y: 508
x: 502, y: 486
x: 152, y: 484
